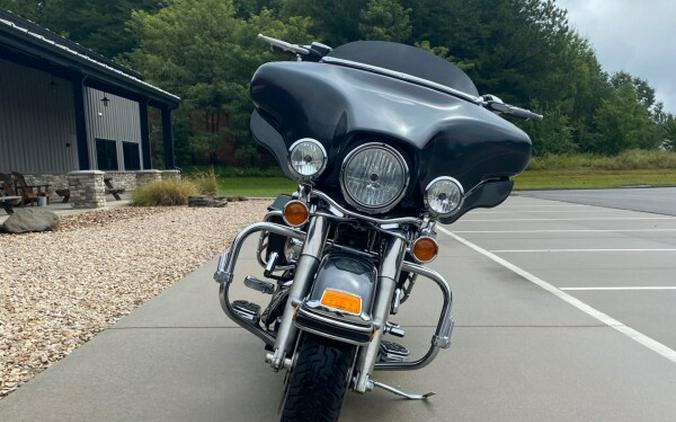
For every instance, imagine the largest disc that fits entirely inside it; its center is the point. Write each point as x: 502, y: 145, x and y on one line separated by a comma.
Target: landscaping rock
x: 59, y: 289
x: 236, y: 198
x: 30, y: 220
x: 207, y: 201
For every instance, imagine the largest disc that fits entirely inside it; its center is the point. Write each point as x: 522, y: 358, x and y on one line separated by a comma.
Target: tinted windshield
x: 404, y: 58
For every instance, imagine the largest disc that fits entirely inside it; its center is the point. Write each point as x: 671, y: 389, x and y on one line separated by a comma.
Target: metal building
x: 64, y: 107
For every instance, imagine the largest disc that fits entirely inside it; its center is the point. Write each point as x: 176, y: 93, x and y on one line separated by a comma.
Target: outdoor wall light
x: 105, y: 100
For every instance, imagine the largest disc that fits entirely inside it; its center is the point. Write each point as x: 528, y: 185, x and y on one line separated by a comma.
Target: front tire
x: 318, y: 381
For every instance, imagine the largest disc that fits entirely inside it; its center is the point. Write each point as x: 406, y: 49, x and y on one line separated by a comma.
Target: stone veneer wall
x: 123, y: 179
x: 127, y: 180
x: 147, y: 176
x: 57, y: 181
x: 170, y: 174
x: 87, y: 189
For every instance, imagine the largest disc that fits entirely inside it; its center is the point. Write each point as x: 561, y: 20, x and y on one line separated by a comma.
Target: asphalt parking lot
x: 564, y: 312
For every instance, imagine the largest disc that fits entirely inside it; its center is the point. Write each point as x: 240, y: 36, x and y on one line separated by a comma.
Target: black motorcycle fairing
x: 488, y: 194
x: 407, y: 59
x: 270, y: 138
x: 441, y: 135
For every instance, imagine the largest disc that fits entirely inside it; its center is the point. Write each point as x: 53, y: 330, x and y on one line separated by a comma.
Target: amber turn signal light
x: 342, y: 301
x: 425, y: 249
x: 295, y: 213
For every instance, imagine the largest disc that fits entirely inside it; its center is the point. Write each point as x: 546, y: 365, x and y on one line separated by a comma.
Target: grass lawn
x: 580, y: 179
x: 530, y: 180
x: 255, y: 186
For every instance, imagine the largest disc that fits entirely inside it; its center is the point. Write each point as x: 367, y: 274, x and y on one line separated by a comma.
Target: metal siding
x: 37, y: 121
x: 119, y: 121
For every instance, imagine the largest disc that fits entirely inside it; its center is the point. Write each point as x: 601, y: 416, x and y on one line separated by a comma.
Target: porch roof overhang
x: 45, y: 47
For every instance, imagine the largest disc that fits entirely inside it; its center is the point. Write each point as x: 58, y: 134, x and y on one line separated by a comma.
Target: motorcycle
x: 385, y: 140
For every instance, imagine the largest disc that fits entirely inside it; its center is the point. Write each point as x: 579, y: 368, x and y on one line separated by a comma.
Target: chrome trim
x: 387, y: 281
x: 364, y: 330
x: 254, y: 329
x: 462, y: 196
x: 379, y: 221
x: 262, y: 245
x: 397, y: 392
x: 391, y: 204
x: 325, y: 160
x: 283, y: 45
x: 226, y: 263
x: 442, y: 335
x: 404, y: 77
x: 306, y: 269
x: 226, y: 268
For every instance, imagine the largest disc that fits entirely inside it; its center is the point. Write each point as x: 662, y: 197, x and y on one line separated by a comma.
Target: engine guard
x: 309, y: 315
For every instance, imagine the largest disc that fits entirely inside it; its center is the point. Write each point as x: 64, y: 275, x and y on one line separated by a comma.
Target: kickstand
x: 400, y: 393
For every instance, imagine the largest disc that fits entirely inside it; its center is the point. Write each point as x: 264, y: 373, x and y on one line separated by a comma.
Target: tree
x: 334, y: 22
x: 385, y: 20
x: 622, y: 123
x: 205, y: 53
x: 553, y: 135
x: 523, y: 51
x: 99, y: 24
x: 669, y: 132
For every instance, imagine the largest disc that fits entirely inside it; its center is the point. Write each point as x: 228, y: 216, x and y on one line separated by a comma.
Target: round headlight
x: 374, y: 177
x: 307, y: 158
x: 444, y: 195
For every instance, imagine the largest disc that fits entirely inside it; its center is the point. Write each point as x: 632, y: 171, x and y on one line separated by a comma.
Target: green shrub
x: 164, y: 193
x: 205, y: 181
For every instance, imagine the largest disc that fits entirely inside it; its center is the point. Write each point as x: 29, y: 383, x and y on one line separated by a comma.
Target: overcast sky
x: 638, y: 36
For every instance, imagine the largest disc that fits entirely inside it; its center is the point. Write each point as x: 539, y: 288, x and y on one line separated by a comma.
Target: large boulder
x: 30, y: 220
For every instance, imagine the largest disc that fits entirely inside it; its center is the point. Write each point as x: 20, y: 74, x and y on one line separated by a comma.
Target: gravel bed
x: 58, y: 289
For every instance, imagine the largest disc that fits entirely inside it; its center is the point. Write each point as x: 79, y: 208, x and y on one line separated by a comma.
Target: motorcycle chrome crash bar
x: 442, y: 335
x: 226, y: 270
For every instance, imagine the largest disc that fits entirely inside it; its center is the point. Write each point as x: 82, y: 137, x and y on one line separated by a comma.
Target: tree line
x: 523, y: 51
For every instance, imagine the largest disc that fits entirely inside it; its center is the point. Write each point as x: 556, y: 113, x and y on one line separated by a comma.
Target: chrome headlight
x: 374, y: 177
x: 444, y: 196
x: 307, y: 158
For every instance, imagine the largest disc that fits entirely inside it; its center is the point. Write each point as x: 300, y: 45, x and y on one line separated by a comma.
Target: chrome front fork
x: 387, y: 281
x: 306, y: 268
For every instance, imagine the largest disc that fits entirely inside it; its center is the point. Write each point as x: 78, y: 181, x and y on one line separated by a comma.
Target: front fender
x: 348, y: 273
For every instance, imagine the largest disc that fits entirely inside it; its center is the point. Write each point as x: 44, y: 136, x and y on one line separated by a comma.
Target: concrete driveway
x: 564, y: 312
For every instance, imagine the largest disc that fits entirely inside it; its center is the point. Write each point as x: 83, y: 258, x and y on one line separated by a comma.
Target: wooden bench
x: 7, y: 202
x: 8, y: 198
x: 29, y: 193
x: 63, y: 193
x: 112, y: 190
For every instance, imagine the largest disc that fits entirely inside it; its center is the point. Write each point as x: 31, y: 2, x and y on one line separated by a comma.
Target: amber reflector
x: 425, y: 249
x: 295, y: 213
x: 340, y: 300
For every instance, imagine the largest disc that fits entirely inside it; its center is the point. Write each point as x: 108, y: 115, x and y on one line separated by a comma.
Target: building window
x: 106, y: 154
x: 132, y: 159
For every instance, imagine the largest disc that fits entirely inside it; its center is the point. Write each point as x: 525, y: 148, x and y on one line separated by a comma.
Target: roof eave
x: 29, y: 43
